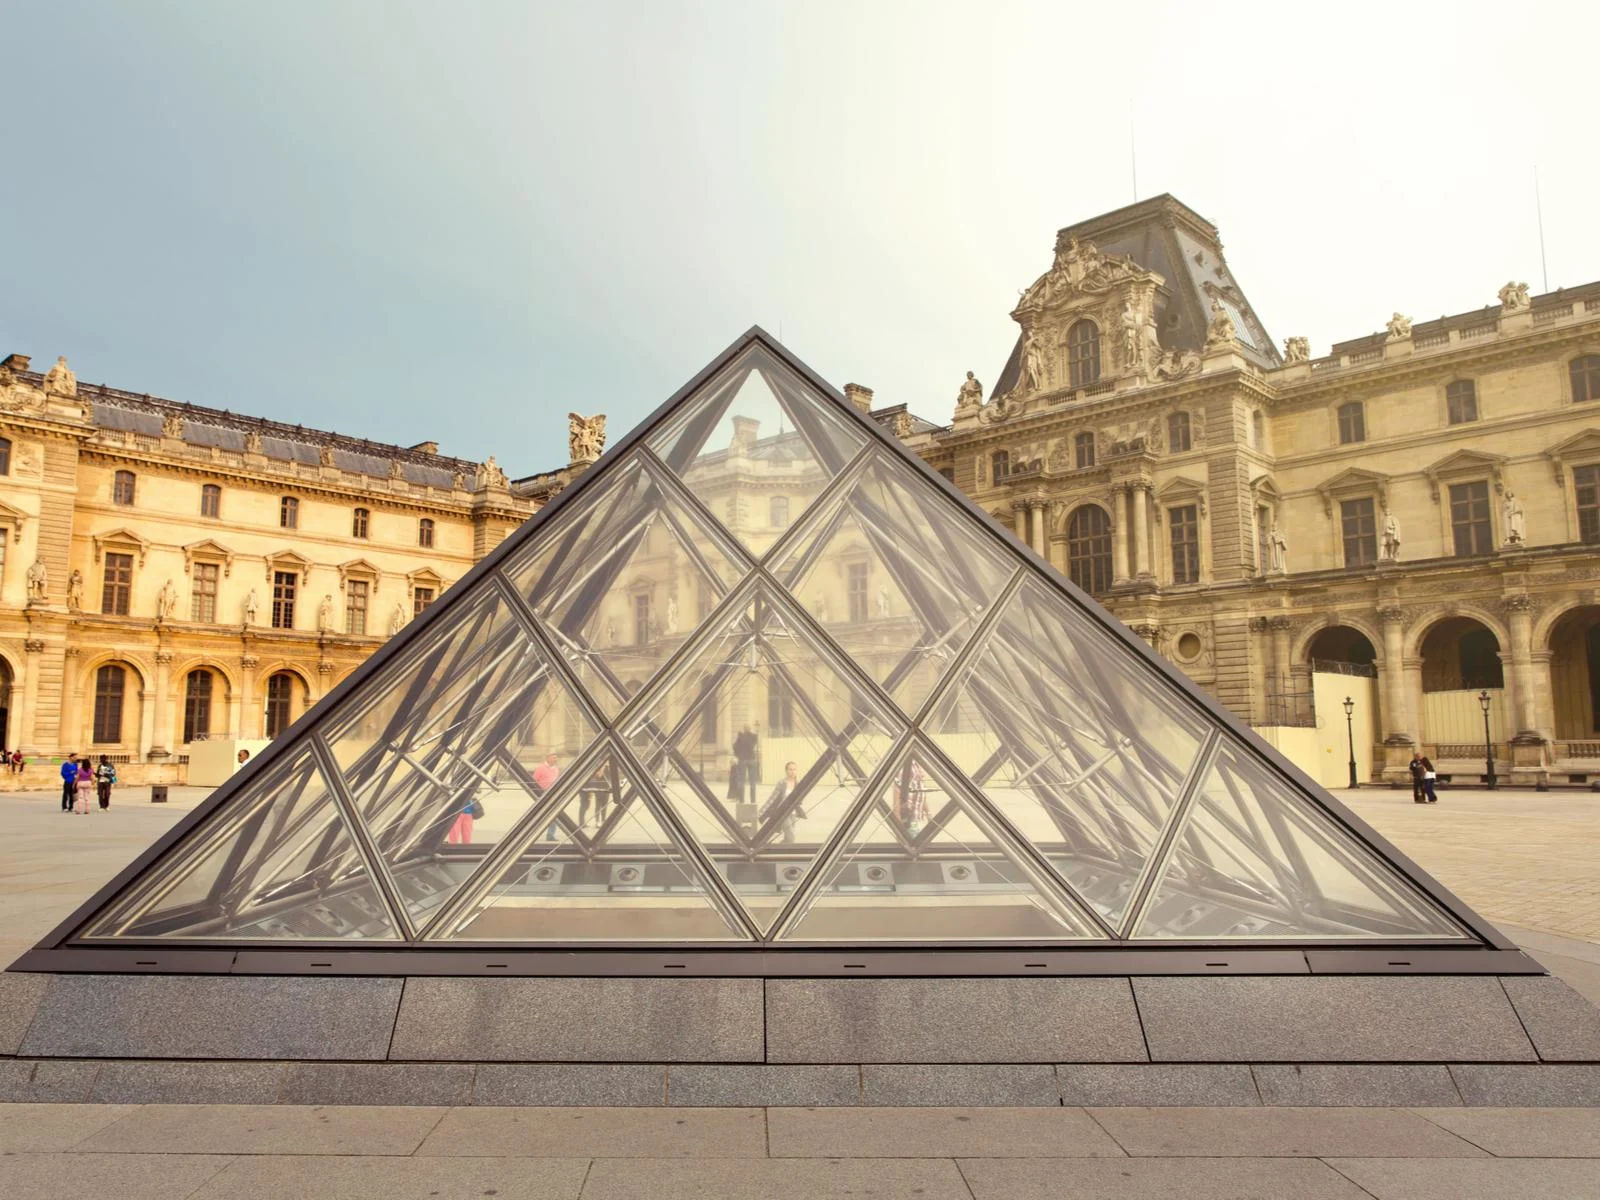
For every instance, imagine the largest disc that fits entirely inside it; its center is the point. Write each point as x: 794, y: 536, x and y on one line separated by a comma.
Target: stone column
x: 161, y: 728
x: 1119, y: 535
x: 34, y: 649
x: 1396, y: 701
x: 1141, y: 531
x: 1283, y: 669
x: 249, y: 724
x: 71, y: 700
x: 1041, y: 512
x: 1019, y: 520
x: 1519, y: 613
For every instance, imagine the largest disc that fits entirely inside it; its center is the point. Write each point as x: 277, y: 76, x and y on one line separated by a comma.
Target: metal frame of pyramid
x: 999, y: 777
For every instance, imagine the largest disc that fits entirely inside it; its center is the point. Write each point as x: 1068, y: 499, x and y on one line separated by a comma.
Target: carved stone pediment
x: 1466, y: 462
x: 207, y: 551
x: 1581, y: 447
x: 120, y: 539
x: 360, y: 568
x: 1351, y: 481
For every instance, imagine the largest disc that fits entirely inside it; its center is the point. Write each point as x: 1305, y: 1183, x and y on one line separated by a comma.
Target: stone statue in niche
x: 395, y: 470
x: 1278, y: 545
x: 1133, y: 340
x: 883, y: 601
x: 59, y: 379
x: 75, y: 592
x: 325, y: 614
x: 1391, y: 537
x: 490, y: 475
x: 586, y: 437
x: 970, y: 398
x: 1514, y: 297
x: 397, y: 618
x: 1514, y: 519
x: 252, y: 608
x: 38, y: 582
x: 252, y: 442
x: 325, y: 456
x: 1399, y: 328
x: 902, y: 425
x: 1221, y: 332
x: 1033, y: 365
x: 167, y: 601
x: 672, y: 614
x: 1296, y: 350
x: 172, y: 426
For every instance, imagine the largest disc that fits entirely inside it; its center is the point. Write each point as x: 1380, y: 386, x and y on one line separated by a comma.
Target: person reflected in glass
x: 911, y: 800
x: 781, y: 793
x: 461, y: 828
x: 597, y: 791
x: 745, y: 750
x: 544, y: 778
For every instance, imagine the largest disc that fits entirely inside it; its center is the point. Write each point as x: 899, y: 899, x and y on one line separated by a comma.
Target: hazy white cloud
x: 460, y: 221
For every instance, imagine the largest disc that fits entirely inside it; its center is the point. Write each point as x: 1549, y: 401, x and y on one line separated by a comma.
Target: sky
x: 460, y: 221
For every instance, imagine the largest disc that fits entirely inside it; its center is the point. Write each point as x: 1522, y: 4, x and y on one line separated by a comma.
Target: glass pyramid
x: 761, y: 680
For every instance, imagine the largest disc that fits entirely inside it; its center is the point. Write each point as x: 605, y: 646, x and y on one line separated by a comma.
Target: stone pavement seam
x: 965, y: 1182
x: 443, y: 1113
x: 1452, y: 1132
x: 1333, y: 1165
x: 1102, y: 1125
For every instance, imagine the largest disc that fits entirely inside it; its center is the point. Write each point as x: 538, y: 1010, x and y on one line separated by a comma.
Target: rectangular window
x: 355, y: 606
x: 1469, y: 518
x: 1358, y: 519
x: 203, y: 596
x: 641, y: 619
x: 420, y: 599
x: 109, y: 682
x: 1352, y: 423
x: 1587, y: 481
x: 358, y: 523
x: 855, y: 581
x: 1083, y: 450
x: 283, y: 587
x: 425, y: 532
x: 118, y: 589
x: 1461, y: 398
x: 122, y: 487
x: 211, y: 501
x: 1263, y: 538
x: 780, y: 710
x: 1185, y: 523
x: 1178, y: 439
x: 289, y: 513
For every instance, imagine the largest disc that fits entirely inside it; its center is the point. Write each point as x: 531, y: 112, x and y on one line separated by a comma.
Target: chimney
x: 860, y: 397
x: 425, y: 447
x: 16, y: 362
x: 744, y: 433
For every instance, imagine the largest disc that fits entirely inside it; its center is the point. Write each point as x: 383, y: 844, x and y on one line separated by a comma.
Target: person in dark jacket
x: 69, y: 784
x: 1429, y: 780
x: 1416, y: 768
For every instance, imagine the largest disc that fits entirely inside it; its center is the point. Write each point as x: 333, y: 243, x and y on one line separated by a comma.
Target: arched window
x: 122, y: 487
x: 1178, y: 439
x: 5, y: 456
x: 110, y: 683
x: 1585, y: 374
x: 779, y: 512
x: 1352, y: 423
x: 1089, y: 549
x: 210, y: 500
x: 1083, y: 450
x: 289, y: 513
x: 425, y: 532
x: 1461, y: 399
x: 197, y: 690
x: 280, y: 703
x: 999, y: 464
x: 1083, y: 354
x: 358, y: 523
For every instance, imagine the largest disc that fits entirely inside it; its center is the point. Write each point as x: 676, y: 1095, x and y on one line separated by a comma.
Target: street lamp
x: 1488, y: 745
x: 1350, y: 733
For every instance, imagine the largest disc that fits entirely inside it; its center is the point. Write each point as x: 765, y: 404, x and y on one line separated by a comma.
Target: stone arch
x: 1573, y: 641
x: 137, y: 696
x: 1421, y: 625
x: 142, y: 671
x: 1342, y: 642
x: 199, y: 661
x: 1461, y: 652
x: 1545, y: 623
x: 10, y: 694
x: 1300, y: 647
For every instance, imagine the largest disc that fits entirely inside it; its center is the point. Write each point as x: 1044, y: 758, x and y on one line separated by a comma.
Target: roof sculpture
x: 760, y: 679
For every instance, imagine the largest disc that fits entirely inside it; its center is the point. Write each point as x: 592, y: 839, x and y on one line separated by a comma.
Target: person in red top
x: 544, y: 778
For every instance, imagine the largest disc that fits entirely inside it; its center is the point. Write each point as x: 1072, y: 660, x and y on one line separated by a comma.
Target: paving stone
x: 1383, y: 1018
x: 580, y: 1020
x: 936, y: 1133
x: 264, y: 1129
x: 195, y: 1016
x: 47, y: 1128
x: 776, y: 1179
x: 1156, y: 1179
x: 1563, y: 1025
x: 319, y: 1177
x: 737, y: 1085
x: 1472, y: 1179
x: 1022, y: 1085
x: 1156, y: 1084
x: 1515, y: 1085
x: 130, y: 1081
x: 377, y: 1083
x: 952, y: 1021
x: 23, y: 1079
x: 93, y: 1176
x: 19, y: 1001
x: 1367, y: 1085
x: 601, y: 1133
x: 1278, y: 1133
x: 1524, y: 1132
x: 580, y: 1084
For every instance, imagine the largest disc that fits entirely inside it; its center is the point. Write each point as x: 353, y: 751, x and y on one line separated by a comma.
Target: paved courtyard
x: 1526, y: 860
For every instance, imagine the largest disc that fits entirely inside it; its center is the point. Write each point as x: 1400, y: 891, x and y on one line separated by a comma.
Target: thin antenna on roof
x: 1538, y: 208
x: 1133, y: 151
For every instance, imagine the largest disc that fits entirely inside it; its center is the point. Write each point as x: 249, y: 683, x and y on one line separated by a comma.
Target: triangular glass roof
x: 761, y: 679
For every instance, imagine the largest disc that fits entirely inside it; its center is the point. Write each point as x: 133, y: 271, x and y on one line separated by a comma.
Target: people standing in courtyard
x: 105, y: 774
x: 461, y: 828
x: 745, y: 750
x: 17, y: 762
x: 786, y: 785
x: 1430, y: 779
x: 1416, y: 769
x: 69, y: 783
x: 544, y: 778
x: 83, y: 785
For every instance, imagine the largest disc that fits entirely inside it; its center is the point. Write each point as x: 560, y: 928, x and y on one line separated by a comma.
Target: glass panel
x: 616, y: 580
x: 897, y: 577
x: 603, y: 868
x: 446, y: 749
x: 761, y: 747
x: 1257, y: 860
x: 277, y: 862
x: 926, y: 863
x: 1081, y: 747
x: 756, y: 431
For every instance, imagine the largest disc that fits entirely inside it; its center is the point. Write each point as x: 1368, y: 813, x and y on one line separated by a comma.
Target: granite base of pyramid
x: 1391, y: 1039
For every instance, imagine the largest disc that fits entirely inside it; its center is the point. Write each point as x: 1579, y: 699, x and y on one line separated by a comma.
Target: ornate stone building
x: 171, y: 573
x: 1421, y: 506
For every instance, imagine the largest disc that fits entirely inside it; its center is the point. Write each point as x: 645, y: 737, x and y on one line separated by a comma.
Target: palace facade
x: 1416, y: 512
